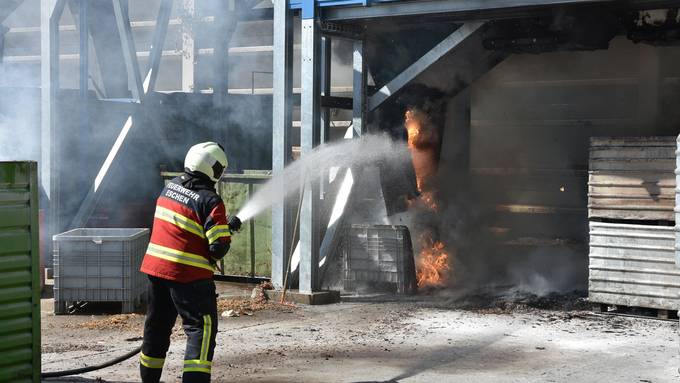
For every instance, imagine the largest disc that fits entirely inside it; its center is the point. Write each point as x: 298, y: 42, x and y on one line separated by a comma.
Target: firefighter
x: 191, y: 233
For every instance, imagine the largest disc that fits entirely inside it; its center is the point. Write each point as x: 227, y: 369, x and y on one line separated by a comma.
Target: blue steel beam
x: 299, y: 4
x: 425, y: 5
x: 365, y: 9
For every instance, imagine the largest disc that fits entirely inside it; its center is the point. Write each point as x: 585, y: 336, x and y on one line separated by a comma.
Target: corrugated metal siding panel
x: 633, y: 265
x: 677, y: 203
x: 632, y: 178
x: 19, y: 268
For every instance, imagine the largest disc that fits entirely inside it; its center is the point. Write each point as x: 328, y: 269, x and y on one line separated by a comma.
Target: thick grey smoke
x: 19, y: 115
x: 19, y: 91
x: 518, y: 218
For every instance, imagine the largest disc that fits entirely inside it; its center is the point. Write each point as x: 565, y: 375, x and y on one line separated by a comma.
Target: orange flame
x: 433, y: 263
x: 422, y: 141
x: 429, y: 200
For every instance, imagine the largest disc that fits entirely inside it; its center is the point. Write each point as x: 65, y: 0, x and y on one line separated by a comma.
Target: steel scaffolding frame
x: 139, y: 87
x: 315, y: 76
x: 321, y: 21
x: 314, y: 15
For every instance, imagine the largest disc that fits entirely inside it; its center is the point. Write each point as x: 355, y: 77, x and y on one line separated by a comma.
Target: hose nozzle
x: 235, y: 224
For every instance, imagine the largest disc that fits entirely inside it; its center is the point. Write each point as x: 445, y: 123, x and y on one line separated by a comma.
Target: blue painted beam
x: 301, y: 4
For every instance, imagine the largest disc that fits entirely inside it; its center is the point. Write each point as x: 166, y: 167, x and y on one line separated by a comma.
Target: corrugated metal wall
x: 633, y: 265
x: 631, y: 187
x: 19, y: 273
x: 632, y: 178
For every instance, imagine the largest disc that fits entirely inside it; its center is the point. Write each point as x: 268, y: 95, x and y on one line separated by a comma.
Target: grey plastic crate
x: 99, y: 265
x: 377, y: 258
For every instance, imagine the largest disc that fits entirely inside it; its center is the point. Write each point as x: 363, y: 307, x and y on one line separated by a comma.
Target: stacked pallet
x: 631, y: 201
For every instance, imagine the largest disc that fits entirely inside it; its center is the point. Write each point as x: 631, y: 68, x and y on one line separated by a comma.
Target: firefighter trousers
x: 196, y: 304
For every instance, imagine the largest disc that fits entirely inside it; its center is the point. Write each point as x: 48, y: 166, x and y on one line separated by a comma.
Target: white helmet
x: 207, y: 158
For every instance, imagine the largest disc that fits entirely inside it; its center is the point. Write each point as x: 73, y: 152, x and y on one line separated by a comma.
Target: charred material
x: 656, y: 27
x: 569, y: 30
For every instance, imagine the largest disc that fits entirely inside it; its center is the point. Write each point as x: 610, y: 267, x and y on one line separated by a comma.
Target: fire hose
x: 234, y: 222
x: 82, y: 370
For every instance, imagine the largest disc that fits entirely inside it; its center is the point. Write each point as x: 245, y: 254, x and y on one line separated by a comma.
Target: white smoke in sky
x: 19, y: 86
x: 19, y: 114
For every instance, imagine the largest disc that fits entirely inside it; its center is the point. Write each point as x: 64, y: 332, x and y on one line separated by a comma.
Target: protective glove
x: 234, y: 223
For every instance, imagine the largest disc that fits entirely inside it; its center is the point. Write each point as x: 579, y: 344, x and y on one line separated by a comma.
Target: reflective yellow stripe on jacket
x: 218, y: 231
x: 179, y: 220
x: 179, y: 256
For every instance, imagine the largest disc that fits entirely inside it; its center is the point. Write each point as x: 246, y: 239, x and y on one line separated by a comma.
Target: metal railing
x: 251, y: 178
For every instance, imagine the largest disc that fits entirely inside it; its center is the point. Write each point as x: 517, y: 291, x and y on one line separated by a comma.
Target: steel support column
x: 325, y: 86
x: 309, y: 138
x: 344, y: 181
x: 83, y: 51
x: 157, y: 42
x: 51, y: 11
x: 81, y: 12
x: 84, y: 79
x: 226, y: 24
x: 189, y: 49
x: 282, y: 124
x: 325, y: 124
x: 120, y: 9
x: 3, y: 31
x: 110, y: 71
x: 359, y: 88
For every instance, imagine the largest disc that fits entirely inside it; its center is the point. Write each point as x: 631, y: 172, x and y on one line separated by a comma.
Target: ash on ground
x: 515, y: 300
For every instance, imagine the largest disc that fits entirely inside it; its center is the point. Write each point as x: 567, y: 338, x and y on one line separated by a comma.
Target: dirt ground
x: 422, y: 339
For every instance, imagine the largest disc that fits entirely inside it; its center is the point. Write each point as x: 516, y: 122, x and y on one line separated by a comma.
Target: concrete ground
x: 427, y: 339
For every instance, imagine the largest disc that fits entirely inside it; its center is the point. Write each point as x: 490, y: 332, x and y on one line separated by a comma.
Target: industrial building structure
x: 520, y: 132
x: 534, y: 181
x: 521, y: 86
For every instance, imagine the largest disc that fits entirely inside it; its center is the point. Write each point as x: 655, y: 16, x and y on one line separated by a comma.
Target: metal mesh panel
x: 378, y: 258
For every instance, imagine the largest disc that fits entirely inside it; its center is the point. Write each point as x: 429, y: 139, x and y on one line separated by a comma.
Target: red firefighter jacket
x: 190, y: 232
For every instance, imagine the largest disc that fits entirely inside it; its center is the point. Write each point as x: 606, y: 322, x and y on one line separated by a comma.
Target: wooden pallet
x: 605, y: 308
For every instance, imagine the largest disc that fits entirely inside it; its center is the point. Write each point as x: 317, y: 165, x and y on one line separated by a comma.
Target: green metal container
x: 19, y: 273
